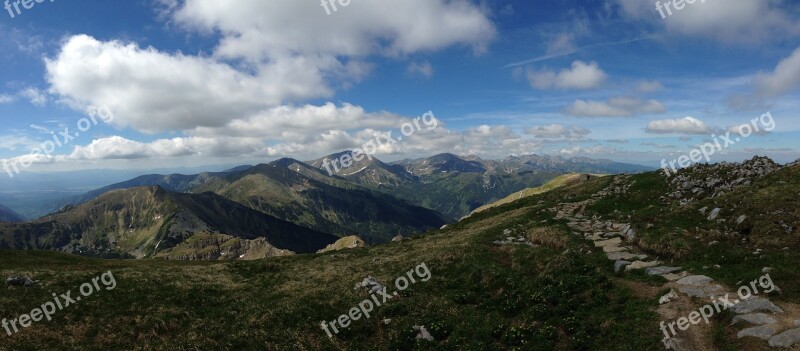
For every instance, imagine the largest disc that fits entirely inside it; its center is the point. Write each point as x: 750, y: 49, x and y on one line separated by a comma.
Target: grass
x: 480, y: 297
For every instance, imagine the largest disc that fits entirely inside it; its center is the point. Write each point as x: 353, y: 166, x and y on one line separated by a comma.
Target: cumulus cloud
x: 785, y: 77
x: 580, y: 76
x: 6, y: 99
x: 614, y: 107
x: 558, y: 131
x: 686, y: 125
x: 258, y: 30
x: 289, y: 55
x: 748, y: 21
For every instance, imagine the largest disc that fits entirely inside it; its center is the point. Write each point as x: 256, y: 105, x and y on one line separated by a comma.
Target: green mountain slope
x: 293, y: 191
x: 150, y: 221
x: 557, y: 182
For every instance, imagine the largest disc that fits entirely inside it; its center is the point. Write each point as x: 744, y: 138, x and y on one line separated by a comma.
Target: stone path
x: 618, y: 242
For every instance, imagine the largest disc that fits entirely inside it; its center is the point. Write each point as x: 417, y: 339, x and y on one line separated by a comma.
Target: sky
x: 143, y: 84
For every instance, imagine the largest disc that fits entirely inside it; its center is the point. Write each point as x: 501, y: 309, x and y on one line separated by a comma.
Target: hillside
x: 294, y: 192
x: 152, y: 222
x: 533, y: 274
x: 557, y: 182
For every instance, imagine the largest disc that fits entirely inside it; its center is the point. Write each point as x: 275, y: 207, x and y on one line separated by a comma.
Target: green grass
x: 480, y: 297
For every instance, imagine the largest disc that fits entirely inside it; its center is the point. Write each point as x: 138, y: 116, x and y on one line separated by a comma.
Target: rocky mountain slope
x: 152, y: 222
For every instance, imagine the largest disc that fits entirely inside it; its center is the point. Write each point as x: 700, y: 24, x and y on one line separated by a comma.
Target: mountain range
x: 289, y: 205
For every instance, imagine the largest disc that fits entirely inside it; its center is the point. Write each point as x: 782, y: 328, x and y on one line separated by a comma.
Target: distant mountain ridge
x: 8, y: 215
x: 151, y: 222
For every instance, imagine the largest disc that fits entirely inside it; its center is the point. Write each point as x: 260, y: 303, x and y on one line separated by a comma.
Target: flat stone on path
x: 754, y: 318
x: 695, y: 280
x: 785, y: 339
x: 755, y: 304
x: 661, y: 270
x: 762, y: 332
x: 703, y: 291
x: 604, y: 243
x: 674, y: 276
x: 625, y: 256
x: 614, y: 248
x: 642, y: 265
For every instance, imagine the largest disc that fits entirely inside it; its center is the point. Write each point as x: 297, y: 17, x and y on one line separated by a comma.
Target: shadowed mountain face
x: 152, y: 222
x: 293, y: 191
x: 8, y: 215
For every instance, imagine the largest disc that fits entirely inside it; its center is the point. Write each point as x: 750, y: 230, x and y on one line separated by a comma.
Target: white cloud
x: 423, y: 68
x: 615, y: 107
x: 561, y: 43
x: 558, y: 131
x: 783, y: 79
x: 746, y: 21
x: 35, y: 96
x: 580, y: 76
x: 686, y: 125
x: 257, y: 30
x: 6, y: 99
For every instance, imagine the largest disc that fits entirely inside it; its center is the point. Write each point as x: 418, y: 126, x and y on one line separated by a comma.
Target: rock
x: 754, y: 318
x: 714, y: 214
x: 398, y: 239
x: 642, y: 265
x: 620, y: 264
x: 797, y: 323
x: 614, y: 256
x: 702, y: 291
x: 762, y: 332
x: 614, y: 248
x: 785, y: 339
x: 755, y: 304
x: 703, y: 210
x: 25, y: 281
x: 669, y: 297
x: 740, y: 219
x: 348, y: 242
x: 506, y: 231
x: 422, y: 333
x: 370, y: 283
x: 695, y: 280
x: 713, y: 243
x: 604, y: 243
x: 674, y: 276
x: 387, y: 321
x: 766, y: 270
x: 661, y: 270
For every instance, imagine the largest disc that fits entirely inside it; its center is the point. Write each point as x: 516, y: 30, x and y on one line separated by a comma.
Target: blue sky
x: 202, y: 82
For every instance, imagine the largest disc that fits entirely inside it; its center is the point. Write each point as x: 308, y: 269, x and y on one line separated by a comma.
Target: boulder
x: 762, y: 332
x: 786, y: 339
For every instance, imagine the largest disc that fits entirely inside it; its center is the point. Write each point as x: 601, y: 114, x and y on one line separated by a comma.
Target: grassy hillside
x: 143, y: 222
x: 557, y: 182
